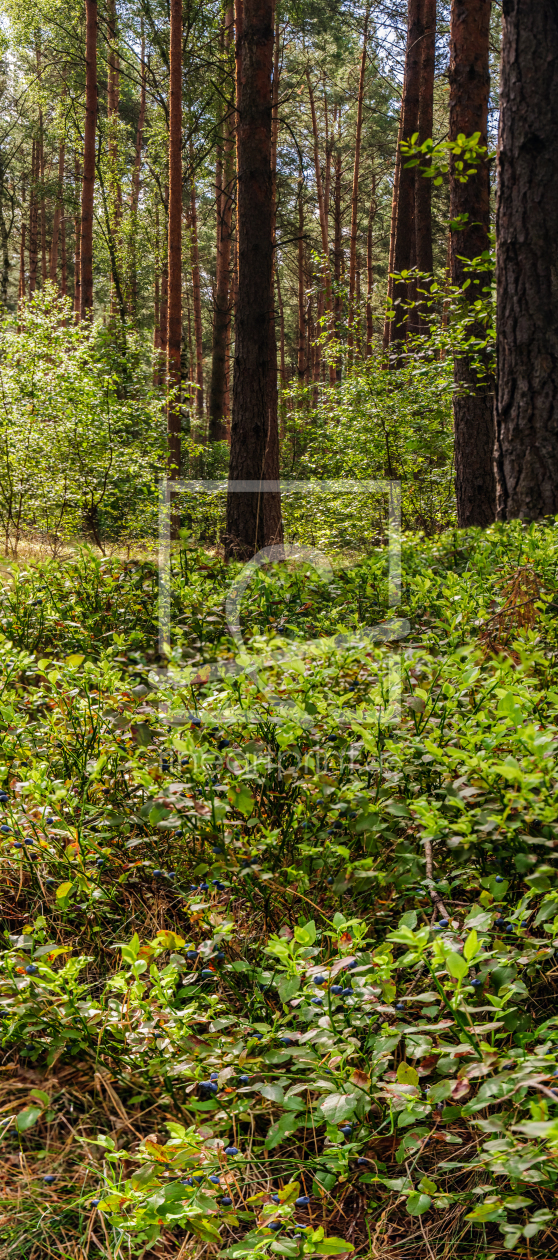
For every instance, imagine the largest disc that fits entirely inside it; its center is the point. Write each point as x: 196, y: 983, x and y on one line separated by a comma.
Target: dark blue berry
x: 31, y: 970
x: 303, y: 1201
x: 225, y: 1201
x: 231, y: 1150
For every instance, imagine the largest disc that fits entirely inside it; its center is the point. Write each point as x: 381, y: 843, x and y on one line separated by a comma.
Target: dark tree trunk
x: 423, y: 185
x: 134, y: 202
x: 222, y: 313
x: 404, y: 247
x: 174, y: 336
x: 474, y: 394
x: 527, y: 231
x: 88, y: 188
x: 254, y: 518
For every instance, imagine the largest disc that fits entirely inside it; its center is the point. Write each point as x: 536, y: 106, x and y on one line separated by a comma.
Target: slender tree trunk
x: 43, y: 203
x: 388, y: 322
x: 22, y: 285
x: 134, y: 203
x: 423, y: 185
x: 174, y: 337
x: 196, y: 288
x: 88, y: 189
x: 164, y: 292
x: 253, y: 518
x: 77, y: 244
x: 63, y: 256
x: 354, y: 197
x: 404, y: 249
x: 370, y: 269
x: 301, y: 364
x: 33, y: 243
x: 222, y: 311
x: 157, y: 305
x: 57, y: 217
x: 338, y: 245
x: 474, y: 394
x: 527, y: 231
x: 281, y: 329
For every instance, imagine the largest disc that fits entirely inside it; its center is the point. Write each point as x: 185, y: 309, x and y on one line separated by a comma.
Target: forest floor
x: 279, y: 960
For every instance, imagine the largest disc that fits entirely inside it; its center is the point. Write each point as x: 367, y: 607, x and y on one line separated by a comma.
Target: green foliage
x: 221, y: 946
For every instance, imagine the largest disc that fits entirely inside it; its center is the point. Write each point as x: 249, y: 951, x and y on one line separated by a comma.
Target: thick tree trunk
x: 423, y: 185
x: 354, y: 198
x: 57, y: 217
x: 196, y: 288
x: 253, y: 518
x: 404, y: 247
x: 222, y: 311
x: 174, y: 337
x: 527, y: 231
x: 88, y: 189
x: 474, y: 394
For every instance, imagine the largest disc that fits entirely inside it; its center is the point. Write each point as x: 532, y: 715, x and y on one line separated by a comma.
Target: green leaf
x: 407, y: 1075
x: 306, y: 935
x: 274, y: 1093
x: 338, y: 1107
x: 457, y: 966
x: 64, y: 890
x: 287, y: 987
x: 471, y: 946
x: 418, y: 1203
x: 27, y: 1118
x: 243, y: 801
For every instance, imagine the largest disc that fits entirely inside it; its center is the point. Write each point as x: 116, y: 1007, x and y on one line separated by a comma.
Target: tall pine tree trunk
x: 527, y: 231
x: 474, y: 394
x: 134, y: 201
x: 354, y: 198
x: 196, y: 287
x: 222, y: 312
x: 88, y: 188
x: 254, y: 518
x: 58, y: 212
x: 77, y: 241
x: 423, y: 184
x: 301, y: 351
x: 404, y: 243
x: 33, y: 243
x: 174, y: 337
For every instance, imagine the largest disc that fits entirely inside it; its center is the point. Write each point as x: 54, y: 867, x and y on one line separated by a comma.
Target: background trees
x: 364, y: 201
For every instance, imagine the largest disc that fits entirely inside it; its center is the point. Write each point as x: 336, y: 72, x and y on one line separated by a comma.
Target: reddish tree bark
x: 301, y: 364
x: 222, y: 311
x: 134, y: 201
x: 63, y: 256
x: 196, y: 289
x: 527, y: 228
x: 164, y: 290
x: 88, y: 188
x: 404, y: 246
x: 370, y: 269
x: 253, y: 518
x: 474, y: 395
x: 174, y: 336
x: 423, y: 184
x: 354, y: 197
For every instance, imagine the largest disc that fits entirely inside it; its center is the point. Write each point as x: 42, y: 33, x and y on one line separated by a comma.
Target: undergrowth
x: 279, y: 961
